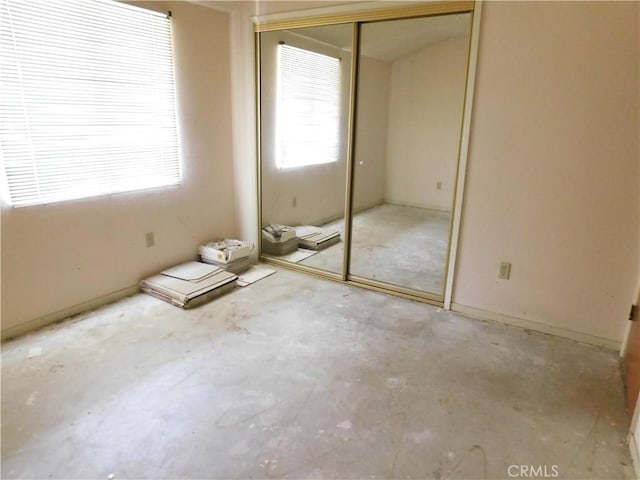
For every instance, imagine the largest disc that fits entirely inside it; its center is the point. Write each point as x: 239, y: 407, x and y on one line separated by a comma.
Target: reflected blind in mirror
x: 307, y: 108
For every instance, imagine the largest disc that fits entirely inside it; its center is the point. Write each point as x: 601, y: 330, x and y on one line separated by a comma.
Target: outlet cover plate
x: 505, y: 270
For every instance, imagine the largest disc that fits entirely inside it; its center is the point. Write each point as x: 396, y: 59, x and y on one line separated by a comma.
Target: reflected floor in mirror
x: 395, y: 244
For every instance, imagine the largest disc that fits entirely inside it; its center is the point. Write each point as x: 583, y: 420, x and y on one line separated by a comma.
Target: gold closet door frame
x: 426, y: 9
x: 356, y: 18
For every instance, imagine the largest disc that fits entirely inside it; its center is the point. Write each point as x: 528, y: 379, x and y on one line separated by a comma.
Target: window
x: 307, y: 108
x: 87, y: 100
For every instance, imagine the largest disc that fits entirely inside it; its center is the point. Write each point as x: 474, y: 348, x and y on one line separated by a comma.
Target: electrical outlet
x: 150, y: 239
x: 439, y: 185
x: 294, y: 202
x: 505, y: 270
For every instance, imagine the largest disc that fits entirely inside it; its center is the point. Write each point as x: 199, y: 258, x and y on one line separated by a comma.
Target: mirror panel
x: 410, y: 97
x: 304, y: 105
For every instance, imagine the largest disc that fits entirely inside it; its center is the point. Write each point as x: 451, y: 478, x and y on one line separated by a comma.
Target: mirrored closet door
x: 410, y: 97
x: 304, y: 105
x: 360, y: 129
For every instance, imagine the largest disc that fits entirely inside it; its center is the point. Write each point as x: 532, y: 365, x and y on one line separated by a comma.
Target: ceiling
x: 390, y: 40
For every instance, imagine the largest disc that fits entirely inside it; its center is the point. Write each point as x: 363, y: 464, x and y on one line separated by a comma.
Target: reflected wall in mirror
x: 410, y: 97
x: 304, y: 104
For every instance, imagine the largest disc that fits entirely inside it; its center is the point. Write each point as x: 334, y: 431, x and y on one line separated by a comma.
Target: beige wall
x: 553, y: 169
x: 371, y: 133
x: 59, y: 255
x: 425, y: 117
x: 243, y: 107
x: 635, y: 427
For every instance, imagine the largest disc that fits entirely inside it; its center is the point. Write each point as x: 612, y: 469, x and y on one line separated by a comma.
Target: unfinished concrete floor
x: 296, y: 377
x: 396, y: 244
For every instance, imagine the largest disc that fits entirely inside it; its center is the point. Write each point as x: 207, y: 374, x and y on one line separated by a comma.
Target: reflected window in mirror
x: 307, y: 107
x: 305, y: 78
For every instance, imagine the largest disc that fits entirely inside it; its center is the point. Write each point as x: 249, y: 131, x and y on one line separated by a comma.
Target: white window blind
x: 87, y: 100
x: 307, y: 108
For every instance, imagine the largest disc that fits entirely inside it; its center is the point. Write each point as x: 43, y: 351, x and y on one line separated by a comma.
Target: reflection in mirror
x: 304, y: 90
x: 411, y: 87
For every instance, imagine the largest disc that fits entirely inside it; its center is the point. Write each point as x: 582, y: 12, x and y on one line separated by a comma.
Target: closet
x: 363, y: 125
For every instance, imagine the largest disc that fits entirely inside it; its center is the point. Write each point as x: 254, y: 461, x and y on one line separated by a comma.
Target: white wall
x: 425, y: 116
x: 553, y: 169
x: 60, y: 255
